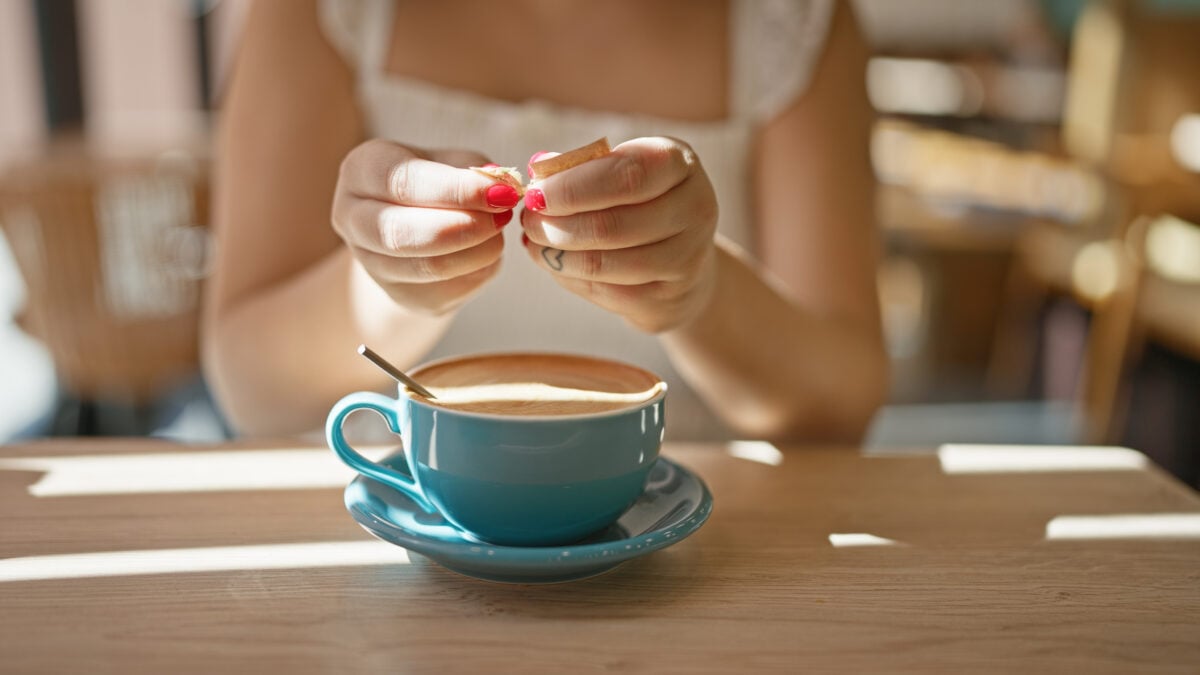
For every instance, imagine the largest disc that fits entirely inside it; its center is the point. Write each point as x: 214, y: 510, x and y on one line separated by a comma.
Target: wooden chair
x: 1167, y: 309
x: 1161, y: 394
x: 1132, y: 77
x: 112, y: 254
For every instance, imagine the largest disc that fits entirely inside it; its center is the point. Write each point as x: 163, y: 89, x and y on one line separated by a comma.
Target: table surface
x: 977, y: 577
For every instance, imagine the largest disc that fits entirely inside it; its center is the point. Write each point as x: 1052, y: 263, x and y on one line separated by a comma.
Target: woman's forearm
x: 280, y: 358
x: 771, y: 369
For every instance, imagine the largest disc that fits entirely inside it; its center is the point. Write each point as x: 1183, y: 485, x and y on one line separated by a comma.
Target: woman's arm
x: 792, y: 349
x: 287, y: 303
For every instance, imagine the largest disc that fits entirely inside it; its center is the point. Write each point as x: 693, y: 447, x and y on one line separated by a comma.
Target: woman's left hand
x: 631, y: 232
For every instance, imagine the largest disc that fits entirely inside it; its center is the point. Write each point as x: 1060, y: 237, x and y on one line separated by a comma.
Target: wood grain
x: 557, y: 164
x: 975, y: 585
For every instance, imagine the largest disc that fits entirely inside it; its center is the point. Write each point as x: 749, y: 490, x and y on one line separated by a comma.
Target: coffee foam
x: 537, y: 384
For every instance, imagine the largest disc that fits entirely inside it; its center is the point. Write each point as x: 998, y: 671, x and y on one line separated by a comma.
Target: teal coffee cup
x: 523, y: 449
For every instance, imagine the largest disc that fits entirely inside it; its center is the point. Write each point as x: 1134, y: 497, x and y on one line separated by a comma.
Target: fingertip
x: 502, y: 196
x: 537, y: 157
x: 535, y: 199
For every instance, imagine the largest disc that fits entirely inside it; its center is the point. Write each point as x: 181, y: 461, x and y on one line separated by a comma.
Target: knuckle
x: 568, y: 194
x: 392, y: 234
x: 433, y: 268
x: 604, y: 225
x: 591, y: 263
x: 399, y: 179
x: 462, y: 193
x: 633, y: 174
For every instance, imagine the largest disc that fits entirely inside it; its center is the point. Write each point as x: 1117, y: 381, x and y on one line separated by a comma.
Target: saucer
x: 674, y: 504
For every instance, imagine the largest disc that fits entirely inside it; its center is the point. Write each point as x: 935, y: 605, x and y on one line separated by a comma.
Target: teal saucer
x: 674, y: 504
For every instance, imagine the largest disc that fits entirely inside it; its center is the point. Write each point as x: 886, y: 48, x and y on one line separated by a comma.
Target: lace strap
x: 776, y: 47
x: 359, y: 30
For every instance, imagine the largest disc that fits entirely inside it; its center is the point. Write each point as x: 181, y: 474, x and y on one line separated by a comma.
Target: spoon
x: 395, y: 372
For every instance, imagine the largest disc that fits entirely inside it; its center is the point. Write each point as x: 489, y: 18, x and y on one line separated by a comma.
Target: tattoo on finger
x: 553, y: 258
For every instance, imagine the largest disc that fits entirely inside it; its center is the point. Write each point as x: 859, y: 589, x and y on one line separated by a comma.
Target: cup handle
x: 365, y: 400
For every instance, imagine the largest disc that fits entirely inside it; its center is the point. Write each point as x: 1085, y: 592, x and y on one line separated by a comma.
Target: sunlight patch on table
x: 756, y: 451
x: 958, y: 458
x: 212, y: 559
x: 852, y: 539
x: 184, y: 471
x: 1125, y: 526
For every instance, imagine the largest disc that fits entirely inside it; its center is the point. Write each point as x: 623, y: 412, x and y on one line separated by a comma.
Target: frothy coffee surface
x: 536, y: 384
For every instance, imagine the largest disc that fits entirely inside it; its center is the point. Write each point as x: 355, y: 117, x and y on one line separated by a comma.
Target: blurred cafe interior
x: 1039, y: 201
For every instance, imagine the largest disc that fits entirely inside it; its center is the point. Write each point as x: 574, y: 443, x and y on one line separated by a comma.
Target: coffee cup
x: 519, y: 449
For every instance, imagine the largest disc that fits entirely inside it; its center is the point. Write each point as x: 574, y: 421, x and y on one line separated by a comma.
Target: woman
x: 345, y: 212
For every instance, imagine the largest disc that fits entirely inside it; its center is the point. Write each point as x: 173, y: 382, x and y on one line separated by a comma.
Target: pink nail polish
x: 501, y: 219
x: 502, y: 196
x: 491, y: 165
x: 535, y: 200
x: 536, y: 156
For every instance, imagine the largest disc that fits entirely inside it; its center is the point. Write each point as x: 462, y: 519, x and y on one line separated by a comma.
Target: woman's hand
x: 631, y: 231
x: 423, y: 226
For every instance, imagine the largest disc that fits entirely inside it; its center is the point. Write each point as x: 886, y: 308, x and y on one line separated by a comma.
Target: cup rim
x: 410, y: 396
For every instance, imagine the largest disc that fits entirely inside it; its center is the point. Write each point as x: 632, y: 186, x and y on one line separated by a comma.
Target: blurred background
x: 1039, y: 167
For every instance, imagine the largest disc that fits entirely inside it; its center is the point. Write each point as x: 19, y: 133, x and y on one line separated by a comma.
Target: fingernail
x: 536, y: 156
x: 491, y: 165
x: 524, y: 239
x: 503, y: 196
x: 535, y: 200
x: 501, y: 219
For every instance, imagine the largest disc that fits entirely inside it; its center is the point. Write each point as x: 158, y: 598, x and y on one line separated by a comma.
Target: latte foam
x: 536, y: 384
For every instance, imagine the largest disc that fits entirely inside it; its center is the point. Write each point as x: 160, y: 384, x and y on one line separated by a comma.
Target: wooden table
x: 972, y: 581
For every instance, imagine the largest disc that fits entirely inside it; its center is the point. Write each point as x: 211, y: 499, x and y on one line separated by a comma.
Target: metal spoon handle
x: 395, y: 372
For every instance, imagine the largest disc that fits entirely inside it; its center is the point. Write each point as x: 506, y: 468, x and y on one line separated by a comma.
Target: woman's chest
x: 665, y: 59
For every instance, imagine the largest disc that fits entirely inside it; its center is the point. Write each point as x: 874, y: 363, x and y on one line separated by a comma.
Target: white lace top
x: 776, y: 44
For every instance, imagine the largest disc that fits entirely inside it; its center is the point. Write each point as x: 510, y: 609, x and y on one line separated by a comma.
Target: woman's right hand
x: 426, y: 228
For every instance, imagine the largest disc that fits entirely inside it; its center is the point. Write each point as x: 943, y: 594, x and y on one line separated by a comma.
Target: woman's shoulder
x: 776, y: 47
